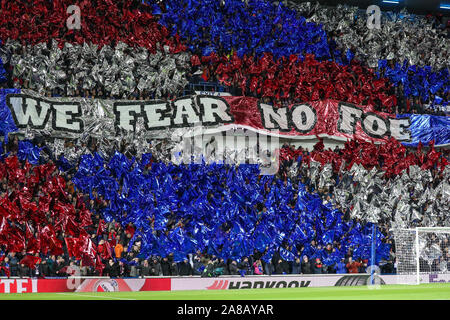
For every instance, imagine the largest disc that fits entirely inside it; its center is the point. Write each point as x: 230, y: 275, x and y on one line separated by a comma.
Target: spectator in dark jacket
x: 221, y: 265
x: 184, y: 268
x: 123, y: 270
x: 197, y: 267
x: 51, y: 262
x: 145, y: 268
x: 306, y: 265
x: 13, y: 264
x: 245, y: 267
x: 155, y: 268
x: 174, y: 269
x: 317, y: 268
x: 4, y: 268
x: 362, y: 268
x: 297, y: 266
x: 279, y: 267
x: 60, y: 265
x: 233, y: 268
x: 165, y: 267
x: 111, y: 269
x: 24, y: 271
x: 209, y: 269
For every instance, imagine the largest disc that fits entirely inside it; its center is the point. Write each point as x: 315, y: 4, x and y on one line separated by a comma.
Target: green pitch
x: 435, y: 291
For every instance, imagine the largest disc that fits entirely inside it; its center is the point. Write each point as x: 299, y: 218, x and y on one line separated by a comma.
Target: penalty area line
x: 92, y: 296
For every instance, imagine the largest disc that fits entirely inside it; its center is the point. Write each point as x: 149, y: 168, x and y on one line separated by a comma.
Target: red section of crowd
x: 391, y: 157
x: 300, y: 80
x: 102, y: 22
x: 39, y: 216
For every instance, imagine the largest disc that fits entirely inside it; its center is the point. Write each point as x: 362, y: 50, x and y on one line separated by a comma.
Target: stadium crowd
x: 167, y: 51
x: 59, y: 203
x: 56, y: 217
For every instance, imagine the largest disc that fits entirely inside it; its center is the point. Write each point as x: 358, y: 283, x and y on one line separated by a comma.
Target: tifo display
x: 117, y: 174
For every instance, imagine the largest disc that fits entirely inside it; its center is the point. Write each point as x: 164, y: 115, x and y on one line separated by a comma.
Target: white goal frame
x: 415, y: 232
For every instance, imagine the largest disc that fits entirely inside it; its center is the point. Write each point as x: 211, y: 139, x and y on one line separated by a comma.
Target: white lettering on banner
x: 20, y: 288
x: 273, y: 119
x: 64, y: 117
x: 18, y: 285
x: 28, y: 111
x: 155, y: 115
x: 184, y: 112
x: 304, y: 118
x: 374, y: 126
x: 214, y: 110
x: 348, y: 117
x: 6, y: 285
x: 399, y: 129
x: 126, y: 115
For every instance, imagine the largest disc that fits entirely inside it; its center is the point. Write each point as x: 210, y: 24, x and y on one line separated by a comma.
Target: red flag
x: 50, y: 241
x: 30, y: 261
x: 101, y: 227
x: 85, y: 217
x: 33, y: 245
x: 205, y: 74
x: 195, y: 61
x: 87, y: 250
x: 99, y: 266
x: 107, y: 251
x: 73, y: 247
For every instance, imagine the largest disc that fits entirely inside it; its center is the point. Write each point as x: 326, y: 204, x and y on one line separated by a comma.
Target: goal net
x: 422, y: 255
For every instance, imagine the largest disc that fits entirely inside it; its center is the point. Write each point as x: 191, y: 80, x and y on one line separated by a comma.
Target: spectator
x: 209, y: 269
x: 60, y: 267
x: 306, y: 265
x: 352, y: 266
x: 221, y: 267
x: 318, y: 266
x: 155, y: 269
x: 340, y: 266
x: 24, y: 271
x: 297, y: 266
x: 184, y: 268
x: 4, y: 268
x: 197, y: 266
x: 145, y: 269
x: 135, y: 267
x: 165, y: 267
x: 234, y: 270
x: 362, y: 268
x: 244, y: 267
x: 51, y: 262
x: 111, y: 269
x: 13, y: 264
x: 257, y: 268
x: 118, y: 250
x: 44, y: 269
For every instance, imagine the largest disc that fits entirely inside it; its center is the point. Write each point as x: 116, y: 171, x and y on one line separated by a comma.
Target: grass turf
x: 435, y: 291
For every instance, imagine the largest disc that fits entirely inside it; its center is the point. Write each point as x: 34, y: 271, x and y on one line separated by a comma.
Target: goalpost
x: 422, y: 254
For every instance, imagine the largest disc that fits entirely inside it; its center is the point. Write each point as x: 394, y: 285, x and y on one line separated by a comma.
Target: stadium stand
x: 113, y: 211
